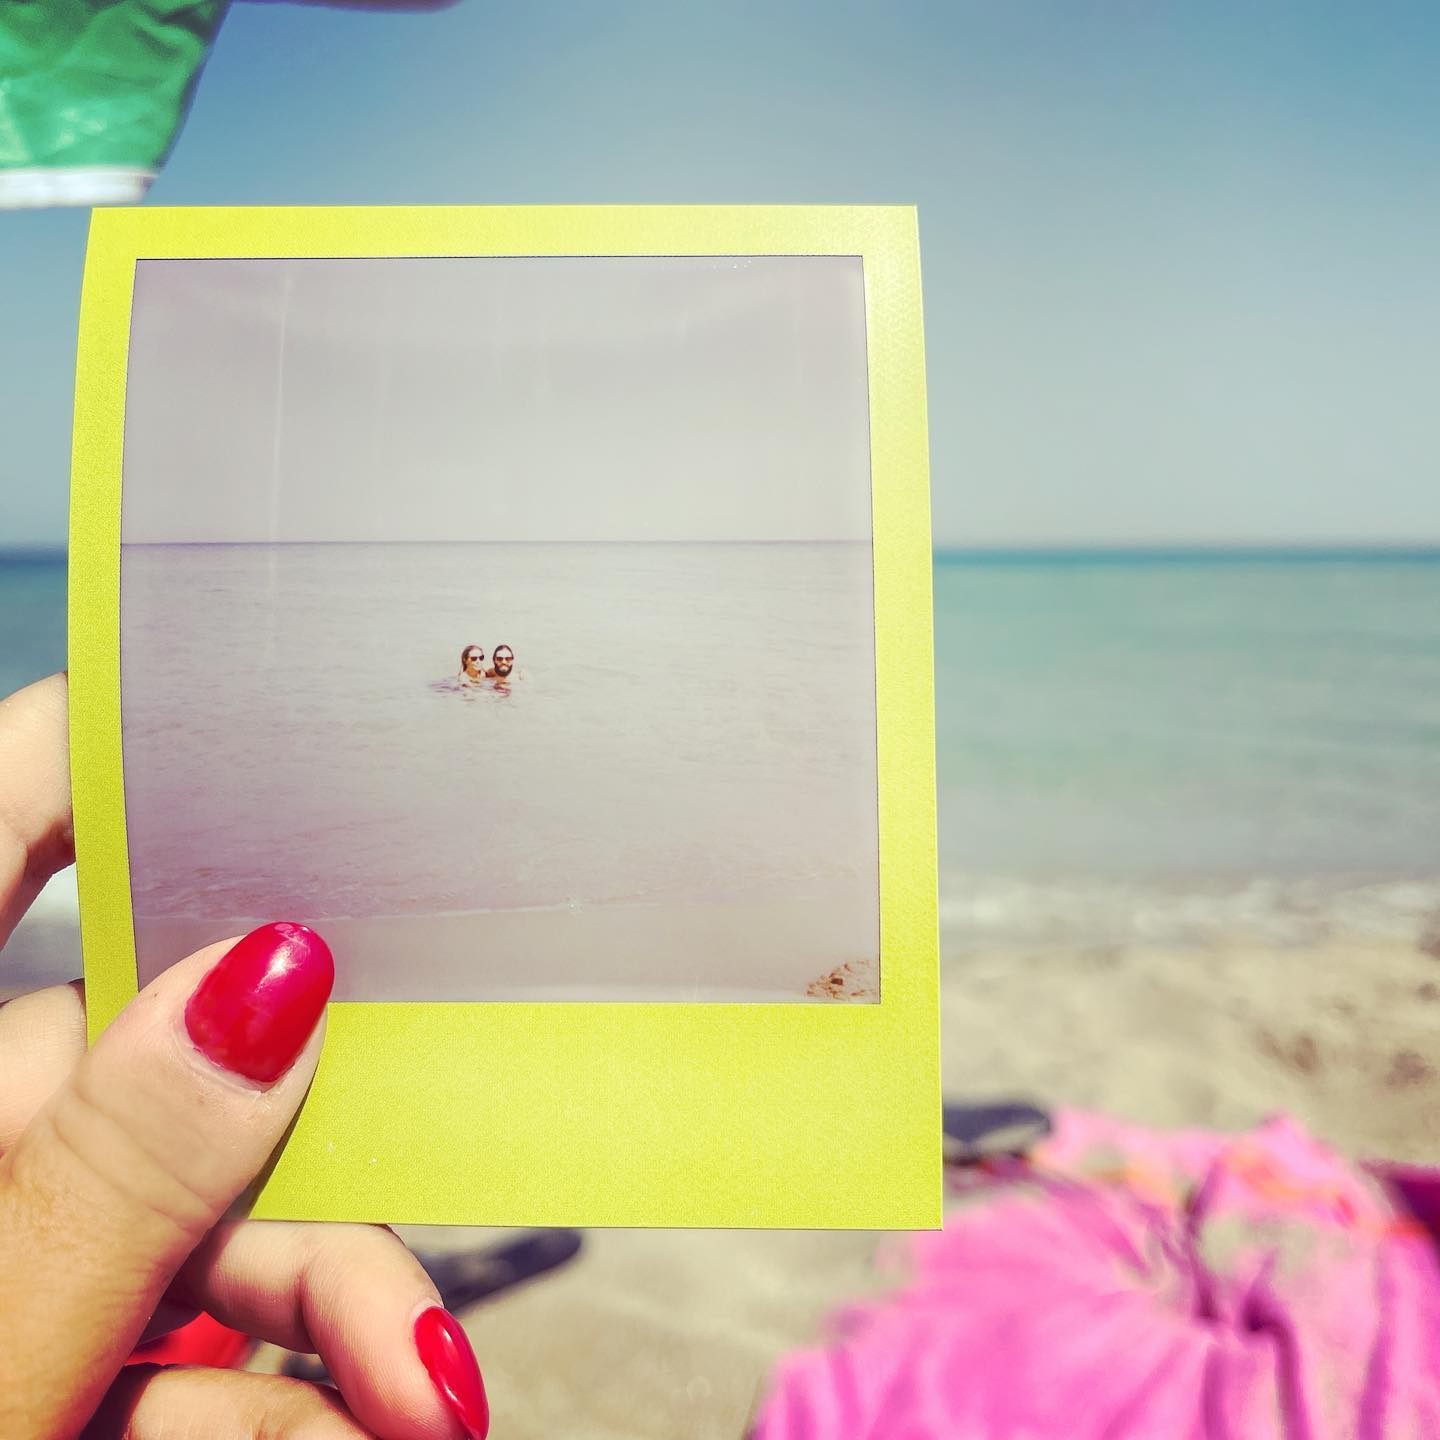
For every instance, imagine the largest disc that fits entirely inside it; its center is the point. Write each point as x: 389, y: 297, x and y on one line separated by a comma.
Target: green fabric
x: 98, y: 82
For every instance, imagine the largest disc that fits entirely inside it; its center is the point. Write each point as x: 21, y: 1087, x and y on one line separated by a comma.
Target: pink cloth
x: 1128, y: 1285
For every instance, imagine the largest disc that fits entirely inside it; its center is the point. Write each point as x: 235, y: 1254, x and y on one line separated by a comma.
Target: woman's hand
x: 118, y: 1165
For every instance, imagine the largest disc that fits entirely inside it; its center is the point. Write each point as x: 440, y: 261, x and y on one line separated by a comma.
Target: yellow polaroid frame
x: 639, y: 1114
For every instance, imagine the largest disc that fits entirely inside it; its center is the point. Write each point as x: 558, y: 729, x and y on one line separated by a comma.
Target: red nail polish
x: 446, y: 1355
x: 255, y: 1010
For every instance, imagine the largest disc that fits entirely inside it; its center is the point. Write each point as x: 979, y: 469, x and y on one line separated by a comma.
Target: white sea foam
x: 1277, y: 911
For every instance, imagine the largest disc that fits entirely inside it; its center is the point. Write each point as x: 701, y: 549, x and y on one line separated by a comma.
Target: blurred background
x: 1181, y: 308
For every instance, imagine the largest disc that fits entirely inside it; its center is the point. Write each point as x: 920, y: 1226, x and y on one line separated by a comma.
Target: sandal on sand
x: 465, y: 1277
x: 468, y: 1276
x: 984, y: 1132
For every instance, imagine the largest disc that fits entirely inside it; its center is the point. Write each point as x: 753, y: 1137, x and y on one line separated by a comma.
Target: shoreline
x: 1199, y: 909
x: 979, y: 912
x: 1198, y: 1002
x: 767, y: 952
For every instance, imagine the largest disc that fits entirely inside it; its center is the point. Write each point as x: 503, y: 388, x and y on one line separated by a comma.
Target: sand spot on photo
x: 851, y: 981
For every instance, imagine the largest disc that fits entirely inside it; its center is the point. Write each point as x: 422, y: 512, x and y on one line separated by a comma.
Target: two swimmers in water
x: 474, y: 673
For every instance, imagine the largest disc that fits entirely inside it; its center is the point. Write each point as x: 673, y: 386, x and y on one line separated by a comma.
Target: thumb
x: 138, y: 1155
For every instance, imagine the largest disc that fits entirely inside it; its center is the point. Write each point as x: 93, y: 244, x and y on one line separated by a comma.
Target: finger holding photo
x: 118, y: 1164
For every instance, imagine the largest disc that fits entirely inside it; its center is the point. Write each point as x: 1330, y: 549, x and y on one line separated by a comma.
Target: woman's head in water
x: 472, y: 661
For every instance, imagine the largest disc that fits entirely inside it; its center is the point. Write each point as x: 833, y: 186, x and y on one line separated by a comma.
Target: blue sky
x: 1180, y: 262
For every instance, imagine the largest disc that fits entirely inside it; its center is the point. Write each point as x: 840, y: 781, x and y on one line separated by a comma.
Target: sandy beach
x: 1209, y: 1006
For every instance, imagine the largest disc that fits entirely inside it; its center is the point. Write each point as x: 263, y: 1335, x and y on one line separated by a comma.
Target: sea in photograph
x: 673, y: 798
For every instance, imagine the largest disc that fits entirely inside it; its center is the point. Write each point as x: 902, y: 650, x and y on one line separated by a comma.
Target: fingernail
x: 450, y: 1362
x: 253, y: 1013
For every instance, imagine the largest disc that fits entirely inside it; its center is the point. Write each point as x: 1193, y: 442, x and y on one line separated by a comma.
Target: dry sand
x: 671, y: 1333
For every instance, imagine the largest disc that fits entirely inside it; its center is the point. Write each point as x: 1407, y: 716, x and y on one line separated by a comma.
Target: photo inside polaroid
x: 511, y: 621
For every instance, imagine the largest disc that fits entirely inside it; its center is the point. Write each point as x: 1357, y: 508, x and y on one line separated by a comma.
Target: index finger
x: 37, y: 834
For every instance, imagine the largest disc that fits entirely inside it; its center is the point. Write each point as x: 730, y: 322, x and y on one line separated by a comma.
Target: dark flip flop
x: 469, y: 1276
x: 982, y: 1132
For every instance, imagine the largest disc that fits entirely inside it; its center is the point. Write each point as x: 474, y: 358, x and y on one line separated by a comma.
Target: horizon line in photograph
x: 504, y: 544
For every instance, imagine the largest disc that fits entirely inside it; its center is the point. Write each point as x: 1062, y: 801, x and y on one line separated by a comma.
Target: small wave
x: 1288, y: 911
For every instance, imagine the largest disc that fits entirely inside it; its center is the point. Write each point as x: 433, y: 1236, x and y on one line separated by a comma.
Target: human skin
x: 119, y: 1165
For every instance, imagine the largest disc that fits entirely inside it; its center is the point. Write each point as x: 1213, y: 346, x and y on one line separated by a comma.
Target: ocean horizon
x: 1380, y: 551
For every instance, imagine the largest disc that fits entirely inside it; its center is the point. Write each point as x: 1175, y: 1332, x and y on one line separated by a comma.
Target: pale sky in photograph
x: 561, y: 399
x: 1179, y: 260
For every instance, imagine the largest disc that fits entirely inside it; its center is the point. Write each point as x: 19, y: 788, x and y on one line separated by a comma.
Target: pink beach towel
x: 1128, y: 1285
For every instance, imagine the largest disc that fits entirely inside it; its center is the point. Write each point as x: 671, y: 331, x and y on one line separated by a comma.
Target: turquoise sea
x: 32, y: 616
x: 1263, y: 725
x: 1168, y: 713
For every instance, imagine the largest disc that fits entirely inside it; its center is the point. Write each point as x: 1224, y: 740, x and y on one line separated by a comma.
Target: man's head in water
x: 503, y: 659
x: 472, y: 661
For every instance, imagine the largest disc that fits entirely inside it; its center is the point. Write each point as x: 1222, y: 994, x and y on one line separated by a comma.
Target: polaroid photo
x: 535, y: 601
